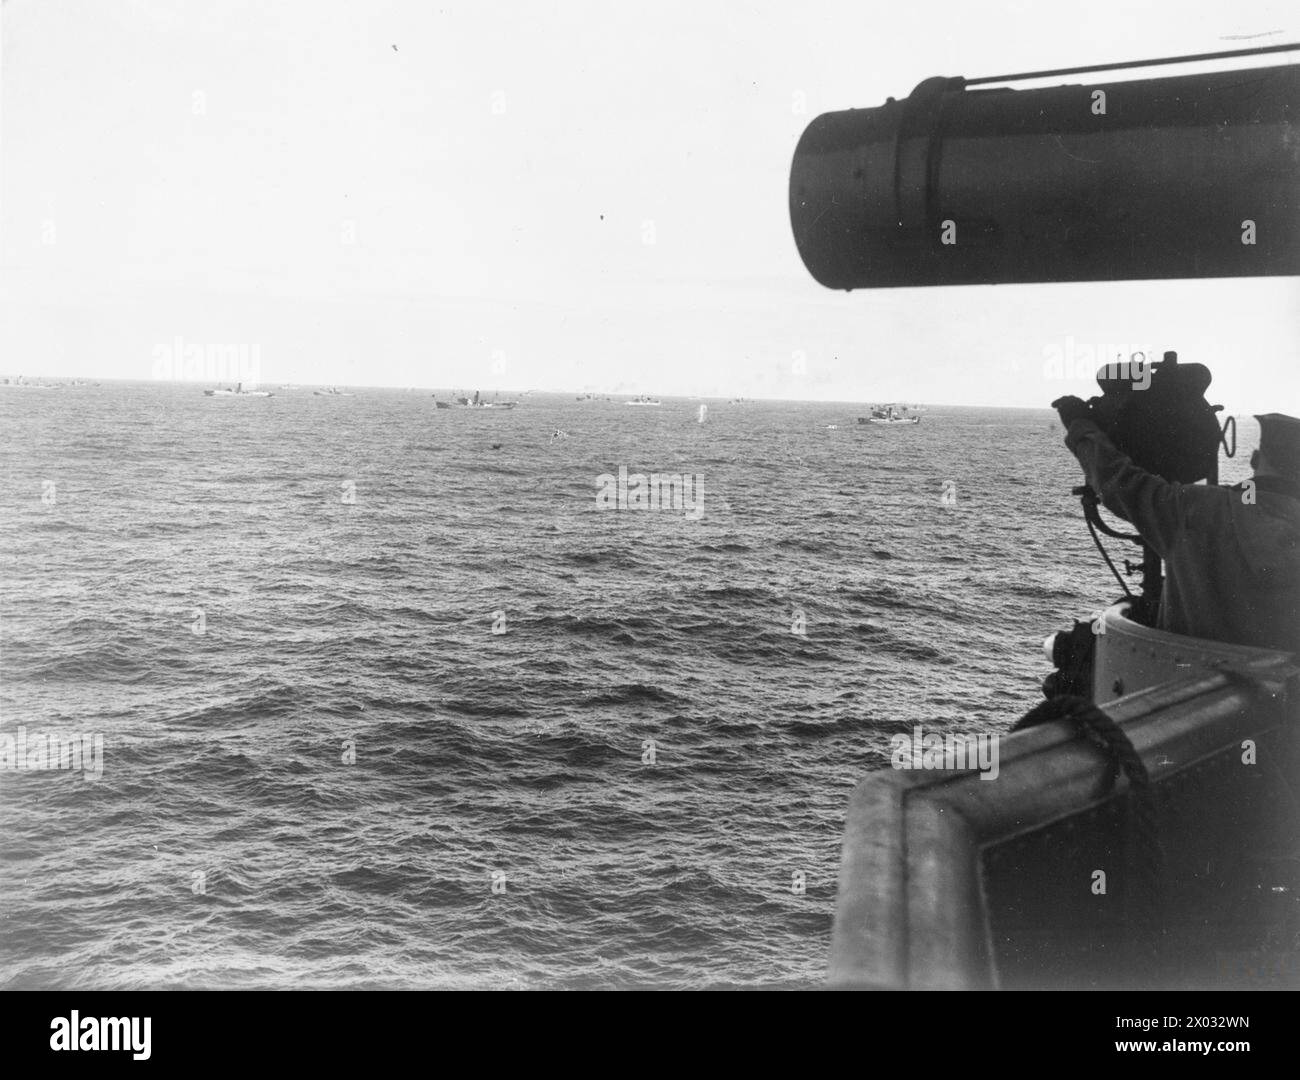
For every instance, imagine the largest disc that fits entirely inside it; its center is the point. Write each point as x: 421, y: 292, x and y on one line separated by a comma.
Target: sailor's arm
x: 1153, y: 505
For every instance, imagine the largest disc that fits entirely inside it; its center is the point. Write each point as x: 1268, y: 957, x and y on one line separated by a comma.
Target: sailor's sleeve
x: 1151, y: 504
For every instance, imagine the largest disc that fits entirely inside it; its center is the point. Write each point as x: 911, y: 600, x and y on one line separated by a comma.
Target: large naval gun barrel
x: 1191, y: 176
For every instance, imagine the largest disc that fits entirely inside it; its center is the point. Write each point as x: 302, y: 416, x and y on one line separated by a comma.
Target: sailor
x: 1231, y: 554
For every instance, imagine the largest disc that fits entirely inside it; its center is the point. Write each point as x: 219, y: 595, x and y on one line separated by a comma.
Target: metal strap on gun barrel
x: 1103, y: 732
x: 916, y: 157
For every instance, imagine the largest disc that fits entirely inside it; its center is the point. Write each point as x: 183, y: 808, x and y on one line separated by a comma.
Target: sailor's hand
x: 1071, y: 408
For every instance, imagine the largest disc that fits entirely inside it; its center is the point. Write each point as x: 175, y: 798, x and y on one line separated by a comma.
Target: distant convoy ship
x: 331, y: 391
x: 24, y: 383
x: 476, y: 402
x: 642, y: 399
x: 238, y: 391
x: 890, y: 414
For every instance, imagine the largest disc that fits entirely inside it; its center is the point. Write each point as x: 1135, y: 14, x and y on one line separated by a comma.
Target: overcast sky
x: 464, y: 194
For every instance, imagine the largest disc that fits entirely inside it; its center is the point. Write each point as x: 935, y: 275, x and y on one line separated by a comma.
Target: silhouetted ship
x: 890, y: 414
x: 237, y: 391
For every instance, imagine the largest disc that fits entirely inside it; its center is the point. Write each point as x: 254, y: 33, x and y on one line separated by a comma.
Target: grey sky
x: 500, y: 170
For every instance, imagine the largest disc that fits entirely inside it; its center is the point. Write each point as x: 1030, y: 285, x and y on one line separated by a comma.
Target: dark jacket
x: 1232, y: 565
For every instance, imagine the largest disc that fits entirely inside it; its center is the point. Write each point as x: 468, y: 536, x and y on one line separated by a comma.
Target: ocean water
x: 386, y: 700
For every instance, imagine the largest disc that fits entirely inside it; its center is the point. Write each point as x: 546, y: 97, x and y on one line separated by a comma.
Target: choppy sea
x: 387, y: 700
